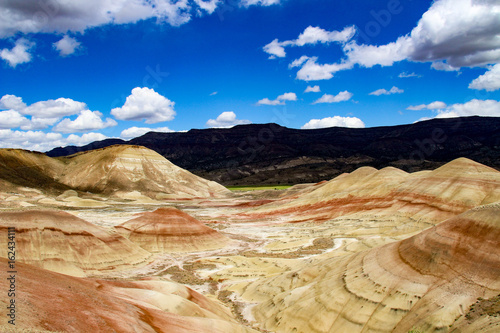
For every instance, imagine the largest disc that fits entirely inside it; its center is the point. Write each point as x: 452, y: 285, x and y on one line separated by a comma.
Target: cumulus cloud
x: 394, y: 90
x: 450, y: 35
x: 41, y: 141
x: 280, y: 100
x: 86, y: 121
x: 310, y: 36
x: 134, y: 132
x: 52, y: 16
x: 312, y: 71
x: 19, y: 54
x: 312, y: 89
x: 145, y: 104
x: 475, y: 107
x: 490, y: 81
x: 66, y: 46
x: 12, y: 102
x: 43, y: 113
x: 12, y: 119
x: 340, y: 97
x: 335, y: 121
x: 57, y: 108
x: 432, y: 106
x: 226, y: 120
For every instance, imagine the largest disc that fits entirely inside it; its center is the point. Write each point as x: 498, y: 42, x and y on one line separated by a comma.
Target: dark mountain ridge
x: 272, y: 154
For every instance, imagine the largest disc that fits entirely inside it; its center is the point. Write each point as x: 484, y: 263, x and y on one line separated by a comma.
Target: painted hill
x: 52, y: 302
x: 124, y: 171
x: 426, y: 282
x: 126, y: 168
x: 427, y: 196
x: 62, y: 242
x: 171, y: 230
x: 272, y: 154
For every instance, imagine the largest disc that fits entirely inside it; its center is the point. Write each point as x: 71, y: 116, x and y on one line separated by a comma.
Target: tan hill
x: 133, y: 168
x: 426, y: 282
x: 130, y: 172
x: 171, y: 230
x: 430, y: 196
x: 64, y: 243
x: 52, y: 302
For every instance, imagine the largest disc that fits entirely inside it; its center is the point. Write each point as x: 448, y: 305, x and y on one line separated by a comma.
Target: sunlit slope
x: 431, y: 196
x: 126, y: 168
x: 426, y: 282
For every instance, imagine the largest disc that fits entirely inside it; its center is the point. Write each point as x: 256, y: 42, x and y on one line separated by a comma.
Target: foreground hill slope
x: 272, y: 154
x: 54, y: 302
x: 427, y: 282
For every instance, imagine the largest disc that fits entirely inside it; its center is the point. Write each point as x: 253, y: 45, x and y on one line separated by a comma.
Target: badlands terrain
x: 119, y: 239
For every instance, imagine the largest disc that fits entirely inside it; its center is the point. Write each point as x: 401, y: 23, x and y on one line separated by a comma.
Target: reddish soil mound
x: 171, y: 230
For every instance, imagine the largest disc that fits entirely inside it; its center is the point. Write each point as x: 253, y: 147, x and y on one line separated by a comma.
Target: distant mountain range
x: 272, y: 154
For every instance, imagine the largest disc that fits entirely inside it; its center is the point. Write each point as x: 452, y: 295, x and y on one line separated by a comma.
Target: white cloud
x: 407, y: 75
x: 340, y: 97
x: 280, y: 100
x: 86, y: 121
x: 314, y: 35
x: 489, y: 81
x: 208, y: 6
x: 134, y: 132
x: 145, y: 104
x: 310, y: 36
x: 315, y: 89
x: 275, y: 49
x: 12, y: 119
x: 225, y: 120
x: 475, y: 107
x: 19, y: 54
x: 247, y: 3
x: 311, y: 71
x: 66, y: 46
x: 12, y: 102
x: 84, y: 139
x: 298, y: 62
x: 214, y: 93
x: 60, y: 107
x: 450, y: 35
x: 394, y: 90
x: 432, y: 106
x: 335, y: 121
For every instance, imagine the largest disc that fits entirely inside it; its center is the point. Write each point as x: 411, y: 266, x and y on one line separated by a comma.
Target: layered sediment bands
x: 64, y: 243
x: 48, y: 301
x: 430, y: 196
x: 426, y: 282
x: 171, y: 230
x: 134, y: 168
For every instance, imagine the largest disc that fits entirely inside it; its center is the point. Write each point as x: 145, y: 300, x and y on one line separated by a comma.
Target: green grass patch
x: 258, y: 188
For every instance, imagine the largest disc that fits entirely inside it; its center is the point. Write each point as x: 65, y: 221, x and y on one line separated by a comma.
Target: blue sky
x: 75, y: 72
